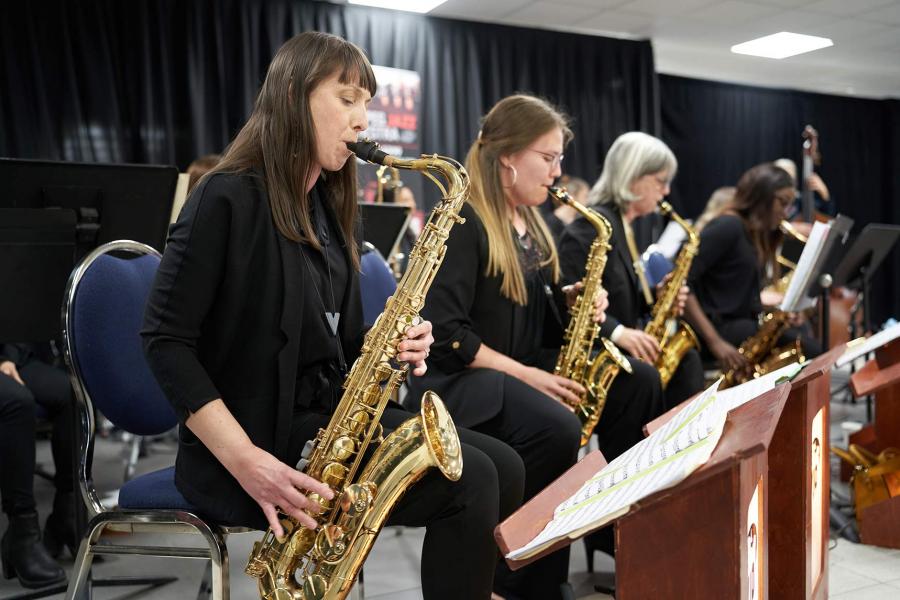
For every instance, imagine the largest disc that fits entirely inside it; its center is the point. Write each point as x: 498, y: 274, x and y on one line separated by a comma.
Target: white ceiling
x: 693, y: 37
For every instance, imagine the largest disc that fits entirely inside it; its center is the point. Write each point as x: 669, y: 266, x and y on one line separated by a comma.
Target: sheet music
x: 669, y: 243
x: 870, y: 345
x: 793, y: 301
x: 657, y: 462
x: 743, y: 393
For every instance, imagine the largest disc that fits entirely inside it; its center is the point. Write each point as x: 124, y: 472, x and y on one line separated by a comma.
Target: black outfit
x: 23, y: 555
x: 467, y: 309
x: 270, y: 356
x: 627, y: 305
x: 726, y: 277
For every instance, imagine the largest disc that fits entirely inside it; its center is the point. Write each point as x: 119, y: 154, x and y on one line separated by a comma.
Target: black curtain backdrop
x: 166, y: 81
x: 719, y: 130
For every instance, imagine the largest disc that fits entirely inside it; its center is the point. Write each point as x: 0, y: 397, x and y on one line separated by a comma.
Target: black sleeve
x: 573, y: 250
x: 716, y: 240
x: 185, y: 288
x: 452, y: 294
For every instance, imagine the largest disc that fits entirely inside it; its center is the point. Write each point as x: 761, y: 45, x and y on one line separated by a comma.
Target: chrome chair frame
x: 127, y: 520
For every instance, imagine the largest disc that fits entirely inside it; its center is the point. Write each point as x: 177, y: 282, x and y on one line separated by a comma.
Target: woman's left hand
x: 601, y: 302
x: 415, y: 347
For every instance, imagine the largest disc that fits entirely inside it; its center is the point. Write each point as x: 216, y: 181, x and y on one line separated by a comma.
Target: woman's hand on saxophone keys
x: 565, y: 391
x: 683, y: 294
x: 728, y: 356
x: 416, y: 347
x: 601, y: 302
x: 638, y: 344
x: 276, y: 486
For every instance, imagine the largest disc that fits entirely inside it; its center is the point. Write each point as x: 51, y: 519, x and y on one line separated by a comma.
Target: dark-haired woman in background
x: 737, y: 254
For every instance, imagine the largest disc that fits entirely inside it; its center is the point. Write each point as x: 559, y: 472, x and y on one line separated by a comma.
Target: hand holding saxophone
x: 276, y: 486
x: 565, y: 391
x: 601, y: 302
x: 728, y: 356
x: 638, y: 344
x: 680, y: 300
x: 416, y: 347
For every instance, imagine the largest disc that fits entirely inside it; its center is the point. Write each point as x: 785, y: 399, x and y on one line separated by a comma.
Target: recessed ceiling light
x: 417, y: 6
x: 782, y: 45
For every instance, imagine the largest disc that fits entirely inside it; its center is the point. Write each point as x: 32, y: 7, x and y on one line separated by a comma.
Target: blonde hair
x: 717, y: 203
x: 510, y: 126
x: 632, y: 155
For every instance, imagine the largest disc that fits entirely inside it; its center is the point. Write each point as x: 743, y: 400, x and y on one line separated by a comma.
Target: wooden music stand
x: 691, y: 540
x: 880, y: 523
x: 799, y: 485
x: 880, y: 376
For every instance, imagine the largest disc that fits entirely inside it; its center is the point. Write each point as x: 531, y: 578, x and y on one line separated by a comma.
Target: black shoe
x: 22, y: 555
x: 60, y: 530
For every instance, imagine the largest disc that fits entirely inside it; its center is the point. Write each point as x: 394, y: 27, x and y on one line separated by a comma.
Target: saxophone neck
x: 693, y: 240
x: 561, y: 196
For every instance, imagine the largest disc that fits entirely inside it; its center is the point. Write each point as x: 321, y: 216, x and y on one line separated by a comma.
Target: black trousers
x: 737, y: 330
x: 546, y: 436
x: 459, y: 554
x: 48, y: 387
x: 687, y: 379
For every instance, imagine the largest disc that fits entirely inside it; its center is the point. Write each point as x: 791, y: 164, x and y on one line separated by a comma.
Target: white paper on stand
x: 795, y: 298
x: 655, y: 463
x: 870, y: 345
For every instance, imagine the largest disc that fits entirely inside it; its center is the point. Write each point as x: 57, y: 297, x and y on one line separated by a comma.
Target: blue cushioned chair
x: 376, y: 282
x: 102, y: 315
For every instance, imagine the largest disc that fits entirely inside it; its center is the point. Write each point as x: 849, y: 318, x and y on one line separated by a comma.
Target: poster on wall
x: 393, y: 123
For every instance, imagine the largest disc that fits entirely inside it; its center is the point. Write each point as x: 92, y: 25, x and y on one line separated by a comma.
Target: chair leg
x: 205, y: 590
x: 79, y: 587
x: 134, y: 451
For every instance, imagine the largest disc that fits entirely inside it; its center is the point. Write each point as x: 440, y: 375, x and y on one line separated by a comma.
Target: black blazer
x: 223, y: 320
x: 466, y: 308
x: 626, y: 302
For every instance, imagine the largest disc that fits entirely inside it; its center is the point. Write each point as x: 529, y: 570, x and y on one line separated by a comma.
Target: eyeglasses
x: 554, y: 160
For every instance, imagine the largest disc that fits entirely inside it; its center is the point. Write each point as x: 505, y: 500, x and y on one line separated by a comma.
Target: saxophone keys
x: 357, y: 498
x: 331, y: 543
x: 334, y: 474
x: 314, y: 588
x: 343, y: 448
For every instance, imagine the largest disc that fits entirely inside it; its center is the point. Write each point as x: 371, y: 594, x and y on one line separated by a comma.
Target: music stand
x: 383, y: 225
x: 863, y: 259
x: 820, y: 285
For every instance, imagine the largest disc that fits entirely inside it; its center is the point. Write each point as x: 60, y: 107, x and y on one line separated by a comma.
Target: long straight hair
x: 510, y: 126
x: 280, y: 136
x: 754, y: 203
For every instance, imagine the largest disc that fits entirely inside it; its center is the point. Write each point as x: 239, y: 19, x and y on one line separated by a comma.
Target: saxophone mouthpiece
x: 664, y: 207
x: 369, y: 151
x: 559, y: 195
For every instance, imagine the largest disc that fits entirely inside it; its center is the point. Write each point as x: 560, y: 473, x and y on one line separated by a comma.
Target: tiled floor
x: 856, y: 572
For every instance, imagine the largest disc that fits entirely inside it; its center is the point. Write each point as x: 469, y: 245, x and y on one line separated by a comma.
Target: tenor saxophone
x: 320, y: 564
x: 760, y: 352
x: 674, y: 336
x: 575, y: 362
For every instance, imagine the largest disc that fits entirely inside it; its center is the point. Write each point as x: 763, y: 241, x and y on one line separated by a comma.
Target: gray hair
x: 632, y: 155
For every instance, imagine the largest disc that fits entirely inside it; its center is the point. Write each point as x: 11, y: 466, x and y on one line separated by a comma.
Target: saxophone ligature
x: 321, y: 564
x: 576, y: 360
x: 674, y: 336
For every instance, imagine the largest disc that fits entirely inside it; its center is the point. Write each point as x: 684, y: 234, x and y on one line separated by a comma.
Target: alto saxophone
x: 760, y: 351
x: 575, y: 362
x: 674, y: 336
x: 320, y: 564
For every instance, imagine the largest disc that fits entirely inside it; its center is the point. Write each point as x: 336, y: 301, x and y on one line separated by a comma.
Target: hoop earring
x: 515, y: 176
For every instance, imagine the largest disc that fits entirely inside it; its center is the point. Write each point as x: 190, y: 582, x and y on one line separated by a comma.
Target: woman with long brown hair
x: 737, y: 253
x: 499, y: 311
x: 256, y: 315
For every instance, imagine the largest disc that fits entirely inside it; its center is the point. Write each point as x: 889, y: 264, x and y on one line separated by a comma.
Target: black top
x: 725, y: 274
x: 626, y: 301
x: 225, y: 319
x: 466, y: 309
x: 322, y: 367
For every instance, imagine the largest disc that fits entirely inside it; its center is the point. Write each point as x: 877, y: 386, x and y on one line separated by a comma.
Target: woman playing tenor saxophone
x: 255, y: 318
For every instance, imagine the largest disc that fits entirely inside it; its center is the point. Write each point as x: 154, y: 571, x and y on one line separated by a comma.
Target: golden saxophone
x: 323, y: 564
x: 674, y: 336
x: 575, y: 362
x: 760, y: 351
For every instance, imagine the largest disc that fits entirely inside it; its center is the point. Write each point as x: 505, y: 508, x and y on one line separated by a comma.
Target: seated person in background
x: 201, y: 167
x: 736, y: 249
x: 26, y: 382
x: 821, y: 195
x: 564, y: 214
x: 715, y: 205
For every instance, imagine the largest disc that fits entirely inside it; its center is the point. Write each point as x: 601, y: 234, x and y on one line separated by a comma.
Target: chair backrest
x: 376, y: 283
x: 102, y: 317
